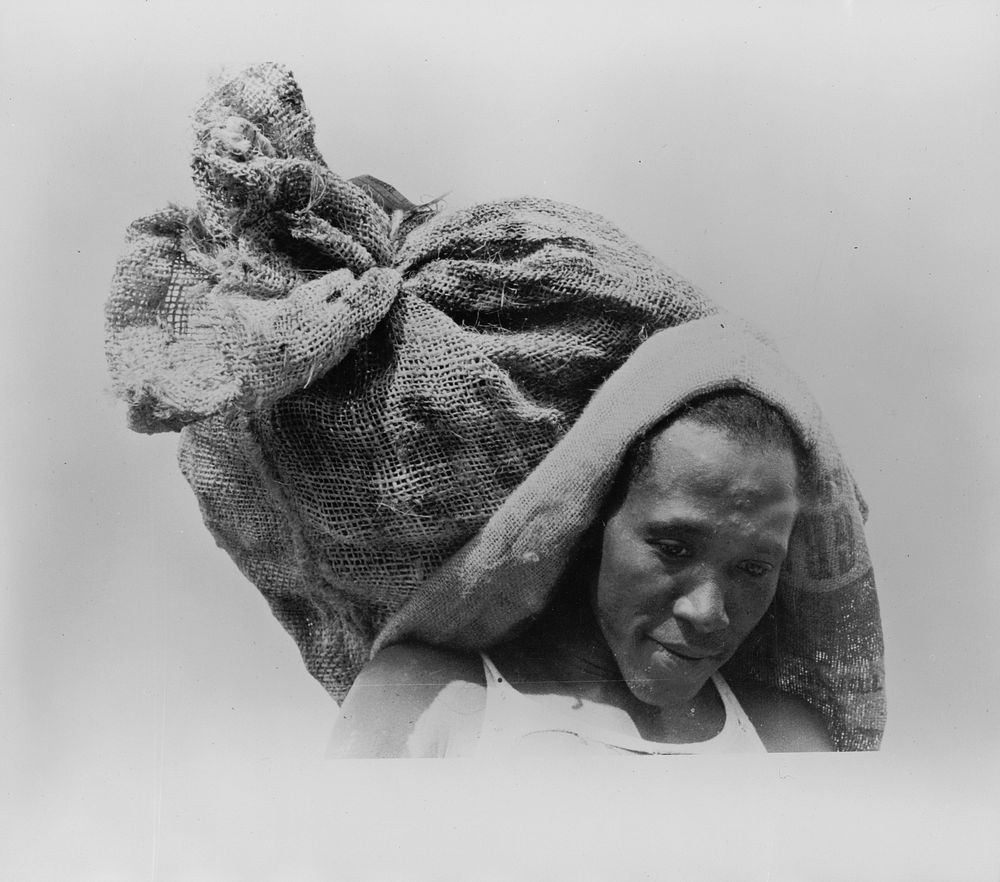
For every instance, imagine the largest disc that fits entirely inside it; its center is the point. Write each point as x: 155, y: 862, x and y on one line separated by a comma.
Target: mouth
x: 689, y: 653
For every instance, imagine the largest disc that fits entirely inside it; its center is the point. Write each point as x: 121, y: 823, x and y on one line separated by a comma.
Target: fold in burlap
x: 360, y: 389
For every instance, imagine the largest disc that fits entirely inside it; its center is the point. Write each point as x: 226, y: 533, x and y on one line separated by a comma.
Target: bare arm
x: 408, y: 701
x: 785, y: 723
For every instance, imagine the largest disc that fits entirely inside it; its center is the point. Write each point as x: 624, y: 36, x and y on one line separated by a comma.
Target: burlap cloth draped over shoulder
x: 388, y: 413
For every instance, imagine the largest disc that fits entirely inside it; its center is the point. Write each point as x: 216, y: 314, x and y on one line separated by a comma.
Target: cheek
x: 629, y: 578
x: 747, y: 607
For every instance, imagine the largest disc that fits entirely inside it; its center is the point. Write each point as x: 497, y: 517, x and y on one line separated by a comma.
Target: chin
x: 660, y: 678
x: 665, y: 693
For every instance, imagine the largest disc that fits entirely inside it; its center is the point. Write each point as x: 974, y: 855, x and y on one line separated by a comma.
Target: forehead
x: 692, y: 460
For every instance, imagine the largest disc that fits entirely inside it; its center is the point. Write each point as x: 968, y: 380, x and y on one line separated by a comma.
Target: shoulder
x: 406, y: 700
x: 785, y: 723
x: 419, y: 664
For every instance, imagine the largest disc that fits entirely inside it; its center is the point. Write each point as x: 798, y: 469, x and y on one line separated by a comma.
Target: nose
x: 703, y: 604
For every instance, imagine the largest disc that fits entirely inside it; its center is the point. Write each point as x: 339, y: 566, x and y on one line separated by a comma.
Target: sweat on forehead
x: 742, y: 416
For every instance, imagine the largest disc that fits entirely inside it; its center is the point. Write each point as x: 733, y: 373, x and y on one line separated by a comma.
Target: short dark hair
x: 743, y: 416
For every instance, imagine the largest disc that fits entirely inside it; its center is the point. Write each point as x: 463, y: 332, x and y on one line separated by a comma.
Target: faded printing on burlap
x: 362, y: 383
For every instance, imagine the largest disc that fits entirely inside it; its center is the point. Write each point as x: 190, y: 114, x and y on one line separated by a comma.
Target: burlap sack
x: 357, y: 400
x: 360, y: 389
x: 822, y: 637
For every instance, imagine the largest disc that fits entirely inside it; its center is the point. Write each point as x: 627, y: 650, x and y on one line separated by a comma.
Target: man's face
x: 690, y: 560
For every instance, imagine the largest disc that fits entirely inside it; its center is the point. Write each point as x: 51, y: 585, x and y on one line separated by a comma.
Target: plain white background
x: 828, y: 169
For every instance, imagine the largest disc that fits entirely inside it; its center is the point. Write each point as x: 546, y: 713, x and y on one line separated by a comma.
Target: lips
x: 690, y: 653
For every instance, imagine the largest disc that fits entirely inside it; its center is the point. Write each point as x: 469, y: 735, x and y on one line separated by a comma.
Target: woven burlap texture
x: 356, y: 403
x: 358, y: 393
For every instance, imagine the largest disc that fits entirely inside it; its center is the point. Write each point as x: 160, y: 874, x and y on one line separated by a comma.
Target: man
x: 681, y: 567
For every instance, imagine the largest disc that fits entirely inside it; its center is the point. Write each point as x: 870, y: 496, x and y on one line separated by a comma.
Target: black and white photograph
x: 468, y: 441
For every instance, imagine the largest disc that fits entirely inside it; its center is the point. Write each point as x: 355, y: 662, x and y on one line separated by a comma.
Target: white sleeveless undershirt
x: 516, y: 724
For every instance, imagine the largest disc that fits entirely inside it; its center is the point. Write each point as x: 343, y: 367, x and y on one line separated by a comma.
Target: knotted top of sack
x: 279, y: 272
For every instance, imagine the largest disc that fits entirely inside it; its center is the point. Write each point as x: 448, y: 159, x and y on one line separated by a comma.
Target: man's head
x: 695, y: 536
x: 740, y: 415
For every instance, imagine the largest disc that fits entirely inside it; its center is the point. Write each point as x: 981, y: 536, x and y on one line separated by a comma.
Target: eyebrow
x: 695, y: 529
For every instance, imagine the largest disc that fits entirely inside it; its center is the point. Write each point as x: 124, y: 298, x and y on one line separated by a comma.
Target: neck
x: 566, y: 646
x: 564, y: 652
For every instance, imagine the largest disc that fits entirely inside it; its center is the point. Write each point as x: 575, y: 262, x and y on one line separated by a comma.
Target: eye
x: 673, y: 549
x: 755, y: 569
